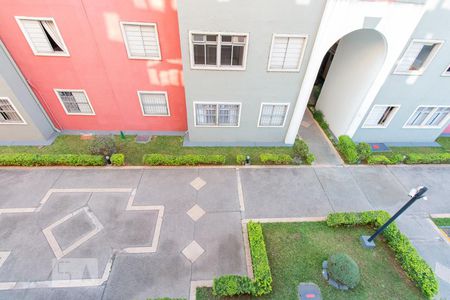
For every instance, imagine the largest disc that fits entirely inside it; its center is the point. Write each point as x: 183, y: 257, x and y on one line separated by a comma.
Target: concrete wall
x: 430, y: 88
x: 37, y: 129
x: 98, y: 61
x: 260, y: 19
x: 356, y: 64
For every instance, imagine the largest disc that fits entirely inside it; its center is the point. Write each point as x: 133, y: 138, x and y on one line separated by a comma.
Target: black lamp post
x: 415, y: 195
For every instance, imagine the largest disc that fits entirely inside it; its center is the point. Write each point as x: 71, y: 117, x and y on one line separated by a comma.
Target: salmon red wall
x: 98, y: 61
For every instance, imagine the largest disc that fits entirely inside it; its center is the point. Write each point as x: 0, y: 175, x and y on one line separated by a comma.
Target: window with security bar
x: 217, y: 114
x: 429, y: 116
x: 75, y: 102
x: 273, y: 115
x: 8, y: 114
x: 154, y: 103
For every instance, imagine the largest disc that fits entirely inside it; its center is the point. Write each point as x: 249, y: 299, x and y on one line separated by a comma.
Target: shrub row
x: 414, y: 265
x: 301, y: 150
x: 232, y: 285
x: 240, y: 159
x: 118, y: 159
x: 379, y: 159
x: 352, y: 152
x: 28, y: 159
x: 182, y: 160
x: 430, y: 158
x: 275, y: 159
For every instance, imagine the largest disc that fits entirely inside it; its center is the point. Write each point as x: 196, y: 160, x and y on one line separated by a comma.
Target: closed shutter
x: 375, y: 115
x: 154, y: 104
x: 286, y: 53
x: 142, y: 41
x: 37, y: 36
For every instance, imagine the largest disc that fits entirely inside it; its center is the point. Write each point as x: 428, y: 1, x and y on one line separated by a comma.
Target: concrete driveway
x: 147, y: 233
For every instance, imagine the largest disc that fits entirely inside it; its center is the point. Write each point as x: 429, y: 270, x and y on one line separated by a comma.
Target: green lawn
x: 444, y: 141
x: 72, y: 144
x: 442, y: 221
x: 296, y: 252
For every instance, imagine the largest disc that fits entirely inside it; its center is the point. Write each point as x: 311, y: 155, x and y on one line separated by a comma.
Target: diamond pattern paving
x: 196, y: 212
x: 193, y: 251
x: 198, y: 183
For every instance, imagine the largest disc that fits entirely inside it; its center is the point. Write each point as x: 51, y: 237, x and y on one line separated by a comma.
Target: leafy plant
x: 103, y: 145
x: 275, y: 159
x: 344, y: 269
x: 320, y: 118
x: 379, y: 160
x: 117, y: 159
x: 28, y: 159
x: 427, y: 158
x: 347, y: 147
x: 182, y: 160
x: 364, y: 151
x: 240, y: 159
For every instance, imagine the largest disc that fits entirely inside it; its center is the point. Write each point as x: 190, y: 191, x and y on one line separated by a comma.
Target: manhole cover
x: 307, y: 291
x: 143, y: 139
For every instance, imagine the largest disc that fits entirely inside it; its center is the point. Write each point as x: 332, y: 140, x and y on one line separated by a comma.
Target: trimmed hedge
x: 364, y: 151
x: 344, y: 269
x: 182, y: 160
x: 379, y: 160
x: 232, y: 285
x: 301, y: 150
x: 275, y: 159
x: 347, y: 147
x: 118, y: 159
x: 28, y: 160
x: 430, y: 158
x: 412, y: 263
x: 240, y: 159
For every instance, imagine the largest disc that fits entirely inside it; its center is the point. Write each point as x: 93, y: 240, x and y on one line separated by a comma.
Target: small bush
x: 412, y: 263
x: 103, y: 145
x: 118, y: 159
x: 320, y: 118
x: 182, y: 160
x: 343, y: 269
x: 275, y: 159
x: 347, y: 148
x: 28, y: 159
x: 397, y: 158
x: 379, y: 160
x: 364, y: 151
x: 240, y: 159
x: 310, y: 158
x: 427, y: 158
x: 231, y: 285
x: 301, y: 150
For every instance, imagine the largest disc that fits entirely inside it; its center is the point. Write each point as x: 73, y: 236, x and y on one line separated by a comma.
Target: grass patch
x: 72, y: 144
x: 441, y: 221
x: 296, y: 252
x: 443, y: 141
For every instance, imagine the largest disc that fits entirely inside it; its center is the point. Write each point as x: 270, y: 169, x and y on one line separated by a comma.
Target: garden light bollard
x: 415, y: 194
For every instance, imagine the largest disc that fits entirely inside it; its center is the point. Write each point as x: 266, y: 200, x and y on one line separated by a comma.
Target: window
x: 141, y: 40
x: 217, y: 114
x: 218, y: 50
x: 8, y: 113
x: 380, y: 116
x: 429, y: 116
x: 75, y: 102
x: 286, y: 52
x: 446, y: 72
x: 273, y: 114
x: 43, y: 36
x: 417, y: 57
x: 154, y: 103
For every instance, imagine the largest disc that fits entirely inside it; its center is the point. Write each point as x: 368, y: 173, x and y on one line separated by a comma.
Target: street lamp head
x: 418, y: 191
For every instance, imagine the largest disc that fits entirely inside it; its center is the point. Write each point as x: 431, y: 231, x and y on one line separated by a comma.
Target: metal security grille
x: 286, y: 53
x: 142, y: 41
x: 75, y: 102
x: 217, y: 114
x: 7, y: 112
x: 154, y: 104
x: 273, y: 114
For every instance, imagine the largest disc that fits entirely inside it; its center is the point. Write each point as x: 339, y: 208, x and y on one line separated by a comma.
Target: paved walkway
x: 148, y: 233
x: 318, y: 143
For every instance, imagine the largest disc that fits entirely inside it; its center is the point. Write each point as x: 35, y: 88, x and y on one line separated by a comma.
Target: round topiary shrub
x: 343, y: 269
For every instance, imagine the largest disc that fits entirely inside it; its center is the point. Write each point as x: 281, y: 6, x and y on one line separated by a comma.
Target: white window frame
x: 126, y: 43
x: 30, y: 43
x: 430, y: 58
x: 446, y: 73
x: 17, y: 112
x: 153, y: 92
x: 435, y: 107
x: 272, y: 103
x: 64, y: 107
x: 219, y: 44
x: 397, y: 108
x: 217, y: 103
x: 275, y: 35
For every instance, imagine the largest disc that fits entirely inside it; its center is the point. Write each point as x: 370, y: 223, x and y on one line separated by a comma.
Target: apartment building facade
x: 100, y: 66
x: 235, y: 72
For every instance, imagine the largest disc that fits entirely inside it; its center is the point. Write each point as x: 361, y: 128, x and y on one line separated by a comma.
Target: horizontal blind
x: 375, y: 115
x: 154, y: 104
x: 142, y: 41
x: 75, y: 102
x: 37, y: 36
x: 273, y: 115
x: 286, y: 52
x: 7, y: 112
x: 409, y: 57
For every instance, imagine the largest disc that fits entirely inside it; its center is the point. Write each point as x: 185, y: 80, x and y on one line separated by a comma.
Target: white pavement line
x: 443, y: 272
x: 52, y: 240
x: 198, y: 284
x: 437, y: 216
x: 7, y: 285
x: 17, y: 210
x: 240, y: 191
x: 287, y: 220
x: 248, y: 257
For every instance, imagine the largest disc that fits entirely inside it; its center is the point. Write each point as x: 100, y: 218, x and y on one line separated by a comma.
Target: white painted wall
x: 397, y: 22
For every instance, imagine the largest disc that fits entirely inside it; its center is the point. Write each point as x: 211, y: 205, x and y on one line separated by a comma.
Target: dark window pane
x: 199, y: 54
x: 448, y: 70
x: 211, y: 38
x: 238, y: 55
x: 211, y: 54
x: 226, y: 38
x: 421, y: 57
x: 198, y: 37
x: 225, y: 56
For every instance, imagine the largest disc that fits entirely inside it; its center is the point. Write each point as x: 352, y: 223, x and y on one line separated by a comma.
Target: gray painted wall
x: 38, y: 129
x: 260, y: 19
x: 430, y: 88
